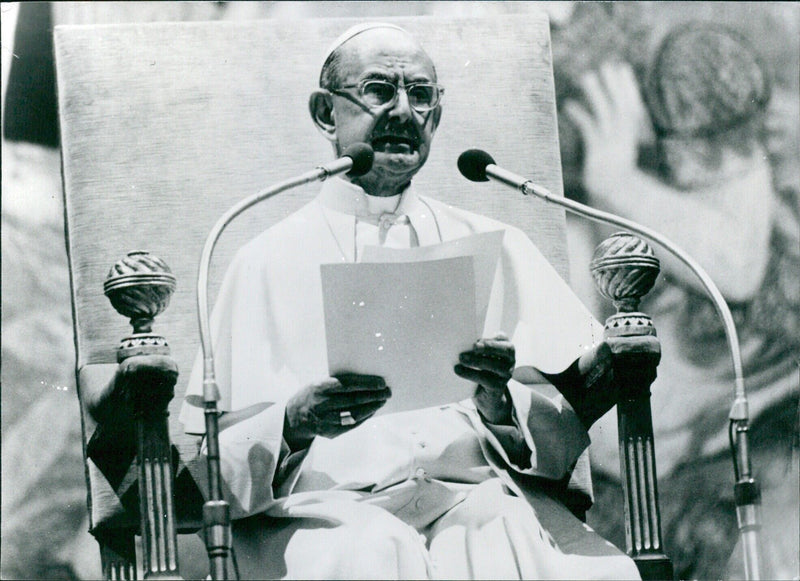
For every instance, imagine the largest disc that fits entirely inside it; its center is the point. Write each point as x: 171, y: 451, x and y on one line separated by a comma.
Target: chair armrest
x: 111, y: 453
x: 625, y: 269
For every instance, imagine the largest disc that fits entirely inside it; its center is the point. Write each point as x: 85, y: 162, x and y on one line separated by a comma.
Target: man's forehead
x: 376, y: 47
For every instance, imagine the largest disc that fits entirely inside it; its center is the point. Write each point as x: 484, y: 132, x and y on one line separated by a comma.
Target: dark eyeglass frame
x: 407, y: 88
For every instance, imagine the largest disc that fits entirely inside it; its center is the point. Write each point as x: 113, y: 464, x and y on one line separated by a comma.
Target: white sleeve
x: 548, y: 324
x: 253, y: 458
x: 552, y: 430
x: 552, y: 433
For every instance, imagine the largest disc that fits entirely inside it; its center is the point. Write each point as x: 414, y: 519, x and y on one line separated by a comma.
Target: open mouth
x: 394, y: 144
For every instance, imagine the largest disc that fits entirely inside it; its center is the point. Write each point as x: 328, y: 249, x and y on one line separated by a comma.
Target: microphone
x: 478, y: 166
x: 356, y: 161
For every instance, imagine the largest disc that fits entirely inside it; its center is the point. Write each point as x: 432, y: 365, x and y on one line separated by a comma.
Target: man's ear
x: 320, y: 105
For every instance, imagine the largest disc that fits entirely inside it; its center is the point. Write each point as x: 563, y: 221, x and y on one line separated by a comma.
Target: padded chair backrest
x: 165, y: 126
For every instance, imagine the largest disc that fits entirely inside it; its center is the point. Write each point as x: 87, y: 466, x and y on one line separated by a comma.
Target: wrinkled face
x: 400, y: 136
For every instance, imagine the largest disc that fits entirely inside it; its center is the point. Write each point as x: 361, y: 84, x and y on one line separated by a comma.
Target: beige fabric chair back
x: 165, y: 126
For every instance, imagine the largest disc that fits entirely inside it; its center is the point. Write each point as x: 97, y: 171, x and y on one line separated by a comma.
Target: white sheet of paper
x: 404, y: 321
x: 485, y: 247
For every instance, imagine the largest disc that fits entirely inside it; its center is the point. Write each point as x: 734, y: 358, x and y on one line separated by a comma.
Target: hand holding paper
x: 316, y: 410
x: 405, y: 322
x: 490, y: 363
x: 408, y: 320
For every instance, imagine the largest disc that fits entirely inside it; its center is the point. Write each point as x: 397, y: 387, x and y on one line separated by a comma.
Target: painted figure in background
x: 713, y: 191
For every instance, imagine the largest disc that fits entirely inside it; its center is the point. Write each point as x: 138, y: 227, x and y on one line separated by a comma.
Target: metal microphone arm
x: 216, y: 511
x: 746, y: 489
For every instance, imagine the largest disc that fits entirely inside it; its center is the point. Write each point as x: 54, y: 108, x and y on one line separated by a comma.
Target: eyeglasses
x: 375, y: 94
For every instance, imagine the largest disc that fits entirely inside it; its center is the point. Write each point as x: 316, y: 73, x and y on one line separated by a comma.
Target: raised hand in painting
x: 613, y: 122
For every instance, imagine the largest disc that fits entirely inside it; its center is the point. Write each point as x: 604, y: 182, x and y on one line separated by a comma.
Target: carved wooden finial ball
x: 139, y: 287
x: 624, y: 268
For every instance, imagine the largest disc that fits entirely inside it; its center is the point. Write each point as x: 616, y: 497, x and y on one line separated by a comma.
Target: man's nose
x: 401, y: 108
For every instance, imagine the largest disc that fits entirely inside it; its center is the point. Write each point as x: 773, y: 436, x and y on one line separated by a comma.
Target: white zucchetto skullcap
x: 354, y: 31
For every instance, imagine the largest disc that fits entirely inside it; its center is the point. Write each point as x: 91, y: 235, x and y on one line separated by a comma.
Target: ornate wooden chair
x: 165, y: 126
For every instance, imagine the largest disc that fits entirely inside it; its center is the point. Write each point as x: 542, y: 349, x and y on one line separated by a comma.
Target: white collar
x: 342, y: 201
x: 347, y: 198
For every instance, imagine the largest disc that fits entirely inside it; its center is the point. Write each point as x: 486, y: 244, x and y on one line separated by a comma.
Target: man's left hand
x: 490, y: 363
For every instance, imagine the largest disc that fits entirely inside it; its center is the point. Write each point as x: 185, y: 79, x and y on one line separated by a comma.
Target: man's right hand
x: 317, y: 409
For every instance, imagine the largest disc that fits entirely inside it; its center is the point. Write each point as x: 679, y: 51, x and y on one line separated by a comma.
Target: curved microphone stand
x: 477, y: 165
x: 356, y: 160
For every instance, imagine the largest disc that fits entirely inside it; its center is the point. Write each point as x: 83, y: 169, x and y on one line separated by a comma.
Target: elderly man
x: 464, y: 490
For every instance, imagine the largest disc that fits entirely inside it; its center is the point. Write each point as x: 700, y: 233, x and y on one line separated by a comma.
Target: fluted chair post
x: 625, y: 268
x: 139, y: 287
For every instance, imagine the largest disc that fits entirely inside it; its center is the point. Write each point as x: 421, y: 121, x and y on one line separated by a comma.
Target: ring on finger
x: 346, y: 418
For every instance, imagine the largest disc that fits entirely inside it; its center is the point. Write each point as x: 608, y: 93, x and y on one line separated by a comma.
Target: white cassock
x: 413, y: 495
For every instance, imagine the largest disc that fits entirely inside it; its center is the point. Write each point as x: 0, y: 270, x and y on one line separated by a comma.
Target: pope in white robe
x: 429, y: 493
x: 419, y: 466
